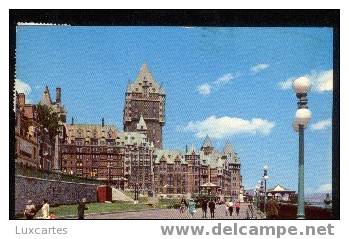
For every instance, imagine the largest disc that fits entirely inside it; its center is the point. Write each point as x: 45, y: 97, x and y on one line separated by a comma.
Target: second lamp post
x: 301, y: 86
x: 265, y: 178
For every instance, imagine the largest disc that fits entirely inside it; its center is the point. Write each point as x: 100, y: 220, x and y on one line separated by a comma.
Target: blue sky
x: 237, y: 79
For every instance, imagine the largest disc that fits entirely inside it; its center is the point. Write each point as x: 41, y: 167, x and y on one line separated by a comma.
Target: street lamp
x: 256, y: 196
x: 258, y: 188
x: 301, y: 86
x: 136, y: 193
x: 265, y: 178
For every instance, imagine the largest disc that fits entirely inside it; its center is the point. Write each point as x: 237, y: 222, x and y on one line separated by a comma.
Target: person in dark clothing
x: 183, y: 205
x: 230, y: 207
x: 237, y: 208
x: 204, y: 208
x: 212, y: 207
x: 185, y: 202
x: 81, y: 209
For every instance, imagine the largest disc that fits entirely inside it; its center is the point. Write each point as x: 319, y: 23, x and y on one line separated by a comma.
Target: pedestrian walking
x: 250, y: 210
x: 272, y: 209
x: 212, y: 207
x: 45, y: 210
x: 183, y: 205
x: 237, y: 208
x: 204, y: 208
x: 226, y: 204
x: 230, y: 207
x: 191, y: 207
x: 30, y: 210
x: 81, y: 209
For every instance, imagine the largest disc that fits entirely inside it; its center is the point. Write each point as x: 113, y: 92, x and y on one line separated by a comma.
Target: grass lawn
x: 131, y: 194
x: 117, y: 206
x: 71, y: 210
x: 169, y: 203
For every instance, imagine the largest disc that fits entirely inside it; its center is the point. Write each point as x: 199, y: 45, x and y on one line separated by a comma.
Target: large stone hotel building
x: 135, y: 157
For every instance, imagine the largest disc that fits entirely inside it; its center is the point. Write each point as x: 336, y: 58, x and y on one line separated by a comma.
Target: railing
x: 49, y: 175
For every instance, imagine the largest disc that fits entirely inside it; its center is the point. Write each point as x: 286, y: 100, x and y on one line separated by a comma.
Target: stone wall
x: 56, y: 192
x: 289, y: 211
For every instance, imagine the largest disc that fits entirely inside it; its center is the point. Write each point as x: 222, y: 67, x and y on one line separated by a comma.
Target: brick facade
x: 135, y: 157
x: 144, y: 97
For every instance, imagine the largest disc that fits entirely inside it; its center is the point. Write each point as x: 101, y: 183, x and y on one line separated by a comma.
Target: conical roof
x: 207, y: 142
x: 141, y: 125
x: 145, y: 79
x: 228, y: 149
x: 46, y: 98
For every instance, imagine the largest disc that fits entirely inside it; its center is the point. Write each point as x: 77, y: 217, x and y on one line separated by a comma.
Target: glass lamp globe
x: 265, y: 167
x: 302, y: 116
x: 301, y: 85
x: 295, y: 126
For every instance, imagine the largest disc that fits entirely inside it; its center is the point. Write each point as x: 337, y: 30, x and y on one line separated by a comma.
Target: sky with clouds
x: 233, y: 84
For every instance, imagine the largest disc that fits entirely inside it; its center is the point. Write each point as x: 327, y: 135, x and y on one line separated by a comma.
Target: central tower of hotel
x: 145, y: 98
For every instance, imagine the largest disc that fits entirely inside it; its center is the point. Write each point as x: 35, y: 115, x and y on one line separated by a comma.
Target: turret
x: 207, y: 146
x: 58, y: 94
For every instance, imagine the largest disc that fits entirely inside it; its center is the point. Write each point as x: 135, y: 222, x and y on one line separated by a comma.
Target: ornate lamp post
x: 301, y: 86
x: 256, y: 196
x: 265, y: 178
x: 136, y: 192
x: 258, y: 188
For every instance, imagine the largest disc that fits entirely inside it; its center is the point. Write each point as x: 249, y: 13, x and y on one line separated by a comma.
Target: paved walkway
x: 173, y: 214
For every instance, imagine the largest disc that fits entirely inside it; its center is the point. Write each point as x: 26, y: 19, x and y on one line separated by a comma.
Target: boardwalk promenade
x: 175, y: 214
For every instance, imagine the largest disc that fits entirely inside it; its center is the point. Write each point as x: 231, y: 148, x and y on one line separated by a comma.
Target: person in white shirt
x: 45, y: 210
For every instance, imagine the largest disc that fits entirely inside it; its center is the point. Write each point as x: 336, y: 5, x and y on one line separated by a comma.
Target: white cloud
x: 22, y: 87
x: 321, y: 125
x: 320, y: 81
x: 287, y: 84
x: 323, y: 81
x: 225, y: 79
x: 258, y: 68
x: 226, y: 126
x: 325, y: 188
x: 204, y: 89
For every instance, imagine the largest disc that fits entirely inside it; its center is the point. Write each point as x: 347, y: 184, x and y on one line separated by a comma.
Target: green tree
x: 48, y: 119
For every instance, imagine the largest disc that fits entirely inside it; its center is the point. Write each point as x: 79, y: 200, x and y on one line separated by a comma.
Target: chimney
x: 102, y: 122
x: 58, y: 94
x: 21, y: 100
x: 72, y: 120
x: 186, y: 148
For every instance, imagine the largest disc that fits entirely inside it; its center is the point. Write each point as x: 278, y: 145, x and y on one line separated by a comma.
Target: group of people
x: 31, y: 210
x: 208, y: 205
